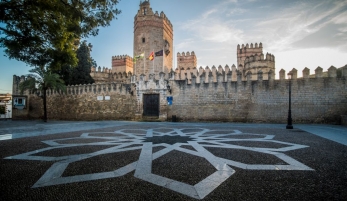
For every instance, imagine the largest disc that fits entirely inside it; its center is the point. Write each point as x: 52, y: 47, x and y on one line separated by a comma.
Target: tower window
x: 145, y: 11
x: 143, y: 40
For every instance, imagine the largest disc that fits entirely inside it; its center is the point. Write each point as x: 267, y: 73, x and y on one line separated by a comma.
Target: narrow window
x: 145, y: 11
x: 143, y: 40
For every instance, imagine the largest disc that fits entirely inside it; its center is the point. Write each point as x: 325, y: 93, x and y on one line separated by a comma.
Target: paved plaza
x: 118, y: 160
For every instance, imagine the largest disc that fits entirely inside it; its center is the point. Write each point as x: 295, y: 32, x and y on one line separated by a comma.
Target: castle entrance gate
x: 151, y: 105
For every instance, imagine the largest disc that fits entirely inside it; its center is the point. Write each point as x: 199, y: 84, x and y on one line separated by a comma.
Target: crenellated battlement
x: 146, y: 13
x: 247, y: 50
x: 186, y: 60
x: 185, y: 54
x: 122, y: 63
x: 121, y: 57
x: 200, y: 75
x: 99, y: 88
x: 104, y: 75
x: 249, y: 47
x: 100, y: 70
x: 232, y: 74
x: 251, y: 60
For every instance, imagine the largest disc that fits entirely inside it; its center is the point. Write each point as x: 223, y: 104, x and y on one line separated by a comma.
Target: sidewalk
x: 331, y: 132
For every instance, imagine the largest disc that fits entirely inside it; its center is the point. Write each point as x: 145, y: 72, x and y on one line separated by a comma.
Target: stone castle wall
x: 210, y: 94
x: 84, y: 103
x: 105, y: 75
x: 261, y: 101
x: 217, y: 97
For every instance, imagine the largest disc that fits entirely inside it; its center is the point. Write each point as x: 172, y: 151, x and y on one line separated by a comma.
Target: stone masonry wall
x: 204, y: 95
x: 216, y: 98
x: 80, y: 103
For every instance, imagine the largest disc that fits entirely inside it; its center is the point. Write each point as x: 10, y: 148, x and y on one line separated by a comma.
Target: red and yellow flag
x: 151, y: 56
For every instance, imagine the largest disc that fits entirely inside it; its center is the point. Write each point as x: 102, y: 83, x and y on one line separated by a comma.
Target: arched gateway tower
x: 153, y: 32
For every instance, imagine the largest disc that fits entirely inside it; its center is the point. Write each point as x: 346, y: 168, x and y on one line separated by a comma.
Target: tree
x: 65, y: 73
x: 44, y: 33
x: 40, y: 80
x: 79, y: 74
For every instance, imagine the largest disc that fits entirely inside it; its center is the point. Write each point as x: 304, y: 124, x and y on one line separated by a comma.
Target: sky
x: 300, y: 33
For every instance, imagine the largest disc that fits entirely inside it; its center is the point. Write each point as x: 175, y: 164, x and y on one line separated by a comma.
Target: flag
x: 151, y: 56
x: 140, y: 56
x: 159, y: 53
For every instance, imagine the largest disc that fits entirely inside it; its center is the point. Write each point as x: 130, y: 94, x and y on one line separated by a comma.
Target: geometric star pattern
x: 200, y: 139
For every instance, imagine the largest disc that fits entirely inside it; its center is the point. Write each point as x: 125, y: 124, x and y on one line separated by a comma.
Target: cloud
x: 185, y: 44
x: 280, y: 26
x: 208, y: 13
x: 302, y: 23
x: 236, y: 11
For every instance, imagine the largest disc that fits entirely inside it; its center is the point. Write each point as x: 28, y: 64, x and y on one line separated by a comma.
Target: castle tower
x: 152, y: 32
x: 251, y: 60
x: 186, y: 60
x: 246, y: 51
x: 121, y: 64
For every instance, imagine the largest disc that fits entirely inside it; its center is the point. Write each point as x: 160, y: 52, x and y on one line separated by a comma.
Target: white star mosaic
x: 200, y: 139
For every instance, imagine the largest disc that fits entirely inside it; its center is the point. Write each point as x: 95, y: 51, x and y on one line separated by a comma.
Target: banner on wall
x: 169, y: 100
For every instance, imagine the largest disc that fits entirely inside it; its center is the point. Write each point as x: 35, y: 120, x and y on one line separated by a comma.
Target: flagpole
x: 135, y: 70
x: 153, y: 62
x: 144, y: 55
x: 174, y: 60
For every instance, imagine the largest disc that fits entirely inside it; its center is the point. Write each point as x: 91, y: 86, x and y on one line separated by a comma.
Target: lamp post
x: 289, y: 119
x: 168, y: 88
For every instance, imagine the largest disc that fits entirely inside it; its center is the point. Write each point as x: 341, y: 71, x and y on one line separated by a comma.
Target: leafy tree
x: 65, y: 73
x: 44, y: 32
x: 40, y: 80
x: 81, y: 74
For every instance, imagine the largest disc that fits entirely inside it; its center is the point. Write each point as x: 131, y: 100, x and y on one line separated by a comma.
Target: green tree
x: 65, y: 73
x: 44, y: 32
x: 81, y: 73
x: 40, y: 80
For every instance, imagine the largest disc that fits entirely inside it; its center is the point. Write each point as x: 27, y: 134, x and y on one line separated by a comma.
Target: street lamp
x: 289, y: 120
x: 168, y: 88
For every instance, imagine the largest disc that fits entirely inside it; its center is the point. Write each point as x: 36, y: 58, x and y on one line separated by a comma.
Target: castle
x: 154, y: 32
x: 146, y: 86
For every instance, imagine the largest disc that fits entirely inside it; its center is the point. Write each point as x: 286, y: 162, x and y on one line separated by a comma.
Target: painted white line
x: 6, y: 137
x: 200, y: 139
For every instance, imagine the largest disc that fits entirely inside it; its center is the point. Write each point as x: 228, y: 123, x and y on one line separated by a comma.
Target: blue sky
x: 300, y: 33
